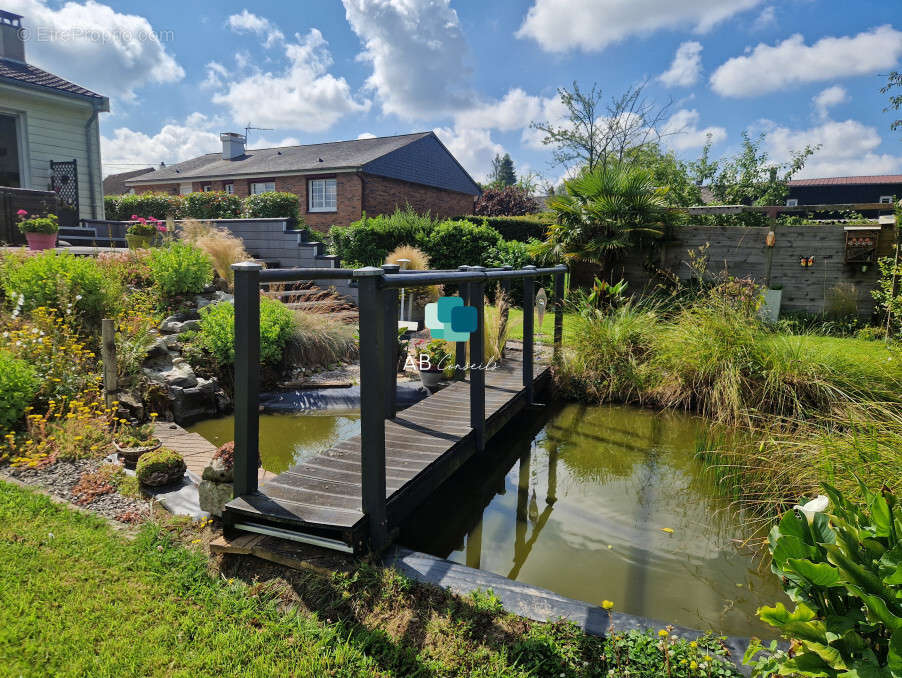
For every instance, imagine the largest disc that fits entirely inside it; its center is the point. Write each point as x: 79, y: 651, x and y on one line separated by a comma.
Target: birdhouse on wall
x: 861, y: 244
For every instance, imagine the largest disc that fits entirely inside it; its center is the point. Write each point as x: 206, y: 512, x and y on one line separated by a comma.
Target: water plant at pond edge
x: 843, y: 570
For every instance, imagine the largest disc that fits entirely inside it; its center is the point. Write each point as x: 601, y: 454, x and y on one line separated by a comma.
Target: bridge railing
x: 379, y: 310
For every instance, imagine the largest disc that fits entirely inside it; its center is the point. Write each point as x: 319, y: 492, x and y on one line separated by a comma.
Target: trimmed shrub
x: 516, y: 228
x: 180, y: 268
x: 217, y: 331
x: 461, y: 243
x: 18, y: 385
x: 368, y: 241
x: 61, y: 281
x: 272, y: 205
x: 507, y: 201
x: 160, y: 467
x: 211, y: 205
x: 157, y: 205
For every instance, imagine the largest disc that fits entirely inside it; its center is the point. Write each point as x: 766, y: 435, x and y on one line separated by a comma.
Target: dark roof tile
x: 35, y: 77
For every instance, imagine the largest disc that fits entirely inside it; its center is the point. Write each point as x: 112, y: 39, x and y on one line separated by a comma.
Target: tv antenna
x: 259, y: 129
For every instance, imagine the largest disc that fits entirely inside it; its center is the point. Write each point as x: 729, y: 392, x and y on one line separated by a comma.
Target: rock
x: 132, y: 404
x: 193, y: 404
x: 158, y: 349
x: 180, y: 375
x: 217, y: 472
x: 180, y: 322
x: 160, y: 467
x: 214, y: 496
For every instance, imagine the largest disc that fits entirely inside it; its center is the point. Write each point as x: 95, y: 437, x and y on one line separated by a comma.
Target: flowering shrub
x: 18, y: 383
x: 217, y: 331
x: 146, y: 227
x: 180, y: 268
x: 37, y: 224
x: 62, y: 364
x: 131, y: 267
x: 76, y: 428
x: 73, y: 285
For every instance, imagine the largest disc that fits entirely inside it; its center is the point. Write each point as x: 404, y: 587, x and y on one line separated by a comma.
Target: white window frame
x: 792, y: 202
x: 22, y: 143
x: 886, y: 200
x: 229, y: 188
x: 267, y: 187
x: 208, y: 188
x: 318, y: 195
x: 186, y: 188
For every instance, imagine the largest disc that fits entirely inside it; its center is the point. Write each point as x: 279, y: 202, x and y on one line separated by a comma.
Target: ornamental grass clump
x: 223, y: 248
x: 317, y: 340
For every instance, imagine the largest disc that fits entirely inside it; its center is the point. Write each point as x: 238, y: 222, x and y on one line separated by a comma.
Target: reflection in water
x: 287, y: 439
x: 578, y: 506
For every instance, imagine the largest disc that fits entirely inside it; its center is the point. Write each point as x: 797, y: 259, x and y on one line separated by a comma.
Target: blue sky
x: 477, y: 72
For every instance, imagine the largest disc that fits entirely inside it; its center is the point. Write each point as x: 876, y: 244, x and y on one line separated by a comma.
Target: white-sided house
x: 49, y: 130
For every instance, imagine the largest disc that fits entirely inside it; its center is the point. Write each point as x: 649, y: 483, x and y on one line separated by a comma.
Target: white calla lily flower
x: 817, y: 505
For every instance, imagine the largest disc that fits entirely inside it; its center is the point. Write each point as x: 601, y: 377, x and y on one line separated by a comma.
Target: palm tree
x: 603, y: 213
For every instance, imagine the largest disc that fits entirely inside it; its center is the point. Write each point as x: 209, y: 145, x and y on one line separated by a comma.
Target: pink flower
x: 161, y: 228
x: 134, y: 217
x: 22, y: 213
x: 142, y: 220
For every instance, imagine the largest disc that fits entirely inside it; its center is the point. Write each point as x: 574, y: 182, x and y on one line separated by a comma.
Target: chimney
x: 232, y: 145
x: 12, y: 46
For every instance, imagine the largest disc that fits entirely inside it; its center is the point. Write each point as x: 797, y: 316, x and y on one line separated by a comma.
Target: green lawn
x: 81, y: 599
x: 544, y: 334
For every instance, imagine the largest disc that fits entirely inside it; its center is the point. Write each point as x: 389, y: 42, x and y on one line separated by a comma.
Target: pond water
x: 287, y: 439
x: 580, y: 500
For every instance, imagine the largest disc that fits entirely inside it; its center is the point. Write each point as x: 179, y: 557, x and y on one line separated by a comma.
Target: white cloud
x: 686, y: 66
x: 417, y: 50
x: 366, y: 135
x: 769, y: 69
x: 561, y: 25
x: 682, y: 132
x: 173, y: 143
x: 247, y: 22
x: 847, y: 148
x: 515, y: 110
x: 216, y: 75
x: 304, y: 96
x: 766, y: 19
x: 827, y: 99
x: 95, y: 46
x: 473, y: 148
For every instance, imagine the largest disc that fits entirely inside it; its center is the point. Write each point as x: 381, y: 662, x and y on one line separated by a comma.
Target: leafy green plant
x: 432, y: 356
x: 18, y: 385
x: 273, y: 205
x: 136, y: 436
x: 217, y: 331
x: 46, y: 224
x: 843, y: 571
x: 61, y: 281
x: 211, y: 205
x: 461, y: 243
x: 180, y: 268
x: 159, y: 205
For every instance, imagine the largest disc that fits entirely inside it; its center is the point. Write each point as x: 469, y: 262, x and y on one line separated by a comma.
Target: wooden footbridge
x: 353, y: 497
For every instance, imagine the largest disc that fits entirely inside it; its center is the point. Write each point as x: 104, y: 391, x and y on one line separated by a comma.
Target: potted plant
x: 141, y: 234
x: 131, y: 442
x: 40, y: 231
x: 432, y: 358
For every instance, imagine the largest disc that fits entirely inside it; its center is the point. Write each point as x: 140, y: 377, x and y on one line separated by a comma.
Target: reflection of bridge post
x: 551, y: 495
x: 522, y: 505
x: 474, y: 545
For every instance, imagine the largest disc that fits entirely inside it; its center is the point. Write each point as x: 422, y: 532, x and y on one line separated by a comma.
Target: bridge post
x: 460, y: 347
x: 558, y: 313
x: 247, y: 376
x: 529, y: 302
x: 372, y: 402
x: 391, y: 343
x: 476, y: 294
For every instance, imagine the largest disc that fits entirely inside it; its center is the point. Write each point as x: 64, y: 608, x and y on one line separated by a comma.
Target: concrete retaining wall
x: 742, y: 253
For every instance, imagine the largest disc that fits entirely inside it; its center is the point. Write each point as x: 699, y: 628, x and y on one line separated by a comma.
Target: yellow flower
x: 693, y: 665
x: 607, y: 604
x: 663, y: 633
x: 668, y: 530
x: 693, y: 644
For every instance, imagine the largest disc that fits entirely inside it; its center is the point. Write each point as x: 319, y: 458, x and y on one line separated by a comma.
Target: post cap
x: 368, y: 272
x: 391, y: 268
x: 530, y: 266
x: 247, y: 266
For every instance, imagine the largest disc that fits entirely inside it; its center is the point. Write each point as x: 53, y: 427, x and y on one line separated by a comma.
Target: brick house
x: 335, y: 182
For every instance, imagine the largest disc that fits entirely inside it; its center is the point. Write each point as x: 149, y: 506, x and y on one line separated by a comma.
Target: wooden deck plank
x: 423, y: 445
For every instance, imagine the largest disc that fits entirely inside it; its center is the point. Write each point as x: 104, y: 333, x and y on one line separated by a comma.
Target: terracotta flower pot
x: 131, y: 455
x: 41, y: 241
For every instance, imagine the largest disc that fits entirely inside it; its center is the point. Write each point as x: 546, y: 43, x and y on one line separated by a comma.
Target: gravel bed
x: 61, y: 477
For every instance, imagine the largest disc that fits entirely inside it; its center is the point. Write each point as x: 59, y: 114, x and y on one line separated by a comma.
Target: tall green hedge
x: 516, y: 228
x: 201, y: 205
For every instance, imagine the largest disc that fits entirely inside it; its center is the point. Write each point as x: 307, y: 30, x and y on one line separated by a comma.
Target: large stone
x: 158, y: 349
x: 175, y: 327
x: 217, y: 472
x: 180, y: 375
x: 193, y: 404
x: 214, y: 496
x: 132, y: 404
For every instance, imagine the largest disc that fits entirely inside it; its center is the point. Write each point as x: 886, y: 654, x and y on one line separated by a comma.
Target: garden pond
x: 593, y: 502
